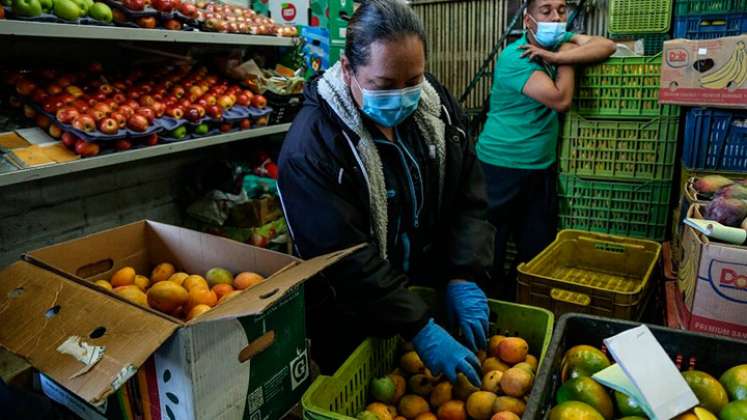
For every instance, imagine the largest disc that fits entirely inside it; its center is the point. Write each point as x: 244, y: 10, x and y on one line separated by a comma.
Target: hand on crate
x: 443, y: 354
x: 467, y: 308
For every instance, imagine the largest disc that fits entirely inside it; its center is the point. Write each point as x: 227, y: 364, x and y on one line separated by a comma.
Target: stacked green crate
x: 646, y: 20
x: 617, y: 154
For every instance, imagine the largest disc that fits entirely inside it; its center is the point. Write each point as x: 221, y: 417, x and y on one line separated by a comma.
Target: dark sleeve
x: 470, y: 239
x: 322, y: 220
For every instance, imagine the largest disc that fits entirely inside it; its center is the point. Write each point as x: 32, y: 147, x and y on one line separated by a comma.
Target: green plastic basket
x: 622, y: 87
x: 634, y: 209
x: 345, y: 394
x: 640, y: 16
x: 619, y: 149
x: 706, y: 7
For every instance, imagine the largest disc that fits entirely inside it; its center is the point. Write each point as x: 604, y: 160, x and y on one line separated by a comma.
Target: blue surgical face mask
x: 388, y: 108
x: 549, y: 34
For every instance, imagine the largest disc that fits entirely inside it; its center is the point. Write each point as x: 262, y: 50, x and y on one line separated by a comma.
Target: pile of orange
x: 177, y: 293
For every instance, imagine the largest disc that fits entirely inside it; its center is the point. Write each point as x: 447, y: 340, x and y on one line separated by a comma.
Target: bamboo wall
x: 461, y: 33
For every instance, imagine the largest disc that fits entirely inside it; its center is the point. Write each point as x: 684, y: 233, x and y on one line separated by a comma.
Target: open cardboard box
x: 712, y: 281
x: 214, y: 366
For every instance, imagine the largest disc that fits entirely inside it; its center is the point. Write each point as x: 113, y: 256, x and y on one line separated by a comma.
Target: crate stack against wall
x: 618, y: 143
x: 705, y: 68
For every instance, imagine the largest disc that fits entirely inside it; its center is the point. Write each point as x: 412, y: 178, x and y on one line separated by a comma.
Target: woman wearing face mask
x: 533, y: 82
x: 378, y: 155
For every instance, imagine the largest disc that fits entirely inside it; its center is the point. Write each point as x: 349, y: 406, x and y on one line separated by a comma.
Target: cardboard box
x: 682, y: 83
x: 712, y: 278
x: 256, y: 212
x: 246, y: 358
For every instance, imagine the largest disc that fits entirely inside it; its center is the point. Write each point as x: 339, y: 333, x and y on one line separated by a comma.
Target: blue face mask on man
x: 549, y: 34
x: 388, y: 108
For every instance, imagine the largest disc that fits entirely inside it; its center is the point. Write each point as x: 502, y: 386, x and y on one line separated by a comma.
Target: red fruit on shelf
x: 185, y: 103
x: 173, y: 25
x: 151, y: 140
x: 25, y: 87
x: 108, y: 125
x: 262, y: 121
x: 39, y: 95
x: 113, y: 105
x: 159, y: 109
x: 225, y: 127
x: 163, y: 5
x: 81, y: 105
x: 192, y: 114
x: 55, y: 131
x: 177, y: 91
x: 85, y: 123
x: 106, y: 89
x: 99, y: 97
x: 202, y: 102
x: 65, y: 80
x: 69, y: 140
x: 120, y: 119
x: 201, y: 110
x: 42, y: 121
x: 245, y: 124
x: 134, y: 95
x: 147, y: 113
x: 132, y: 104
x: 243, y: 100
x: 210, y: 100
x: 188, y: 9
x: 215, y: 112
x: 259, y: 101
x: 147, y: 22
x: 75, y: 91
x: 86, y: 149
x: 138, y: 123
x: 119, y: 98
x: 225, y: 101
x: 147, y: 100
x: 52, y: 104
x: 122, y: 145
x: 103, y: 107
x: 67, y: 115
x: 126, y: 110
x: 137, y: 5
x: 28, y: 111
x: 175, y: 112
x: 54, y: 89
x: 96, y: 114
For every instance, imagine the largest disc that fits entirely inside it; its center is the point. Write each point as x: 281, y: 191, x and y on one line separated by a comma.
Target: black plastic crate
x: 708, y: 353
x: 284, y: 107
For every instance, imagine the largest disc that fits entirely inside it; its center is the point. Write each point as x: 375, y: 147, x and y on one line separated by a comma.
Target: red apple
x: 126, y: 110
x: 42, y: 121
x: 175, y: 112
x: 106, y: 89
x: 215, y: 112
x: 159, y: 109
x: 81, y: 105
x: 28, y: 111
x: 232, y: 27
x: 162, y: 5
x: 39, y: 95
x: 147, y: 100
x: 119, y: 98
x: 67, y: 115
x: 173, y: 25
x: 103, y: 107
x: 243, y: 100
x: 108, y: 126
x: 185, y: 103
x: 113, y: 105
x: 195, y: 90
x: 120, y: 118
x: 69, y: 140
x: 25, y: 87
x: 225, y: 127
x: 99, y: 97
x: 210, y: 99
x: 259, y: 101
x: 225, y: 102
x: 134, y: 4
x: 245, y: 124
x: 85, y: 123
x: 148, y: 22
x: 122, y: 144
x: 132, y: 104
x: 55, y: 131
x: 177, y: 91
x: 65, y: 80
x: 86, y: 149
x: 96, y: 114
x: 133, y: 94
x: 146, y: 87
x: 201, y: 110
x: 147, y: 113
x: 119, y: 86
x: 189, y: 10
x: 75, y: 91
x: 192, y: 114
x: 52, y: 104
x: 262, y: 121
x: 202, y: 102
x: 138, y: 123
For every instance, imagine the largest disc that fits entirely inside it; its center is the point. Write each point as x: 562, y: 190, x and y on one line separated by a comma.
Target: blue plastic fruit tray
x: 715, y: 139
x: 710, y: 26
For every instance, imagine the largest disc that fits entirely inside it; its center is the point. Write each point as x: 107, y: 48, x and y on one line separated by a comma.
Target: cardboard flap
x: 265, y: 294
x: 88, y: 342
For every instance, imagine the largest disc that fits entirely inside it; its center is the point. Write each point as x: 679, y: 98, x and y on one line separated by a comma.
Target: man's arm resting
x: 557, y: 94
x: 590, y: 49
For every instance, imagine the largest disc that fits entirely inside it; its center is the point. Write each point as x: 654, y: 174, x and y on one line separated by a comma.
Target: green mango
x: 28, y: 8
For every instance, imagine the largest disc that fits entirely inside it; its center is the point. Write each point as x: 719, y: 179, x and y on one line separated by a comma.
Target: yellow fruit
x: 167, y: 296
x: 400, y: 386
x: 492, y: 363
x: 574, y: 410
x: 516, y: 382
x: 411, y: 363
x: 104, y: 284
x: 411, y: 406
x: 506, y: 403
x: 442, y: 393
x: 201, y: 296
x: 493, y: 344
x: 197, y: 311
x: 178, y: 278
x: 710, y: 392
x: 505, y: 415
x: 513, y: 350
x: 420, y: 385
x: 452, y: 410
x: 532, y: 361
x: 142, y: 282
x: 193, y: 281
x: 218, y: 275
x: 426, y: 416
x: 381, y: 410
x: 492, y: 381
x: 463, y: 388
x: 222, y: 290
x: 246, y: 280
x: 125, y: 276
x: 162, y: 272
x: 589, y: 391
x: 481, y: 356
x: 132, y: 293
x: 480, y: 405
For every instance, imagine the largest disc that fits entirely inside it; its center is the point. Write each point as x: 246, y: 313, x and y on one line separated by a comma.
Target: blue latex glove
x: 467, y: 308
x: 441, y: 353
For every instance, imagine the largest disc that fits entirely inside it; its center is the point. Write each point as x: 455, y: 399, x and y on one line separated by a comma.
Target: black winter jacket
x: 325, y: 197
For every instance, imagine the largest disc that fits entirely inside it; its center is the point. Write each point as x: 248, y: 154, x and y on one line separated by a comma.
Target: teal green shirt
x: 520, y: 132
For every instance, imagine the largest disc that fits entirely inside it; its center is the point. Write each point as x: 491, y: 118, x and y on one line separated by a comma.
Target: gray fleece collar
x: 335, y: 92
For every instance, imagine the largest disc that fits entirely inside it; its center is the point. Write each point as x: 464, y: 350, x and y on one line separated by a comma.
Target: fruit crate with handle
x: 710, y: 26
x: 635, y: 209
x: 715, y: 139
x: 344, y: 394
x: 619, y: 149
x: 639, y: 16
x: 704, y: 7
x: 688, y: 350
x: 622, y: 87
x: 591, y: 273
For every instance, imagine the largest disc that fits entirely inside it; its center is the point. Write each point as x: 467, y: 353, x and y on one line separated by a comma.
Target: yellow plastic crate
x: 590, y: 273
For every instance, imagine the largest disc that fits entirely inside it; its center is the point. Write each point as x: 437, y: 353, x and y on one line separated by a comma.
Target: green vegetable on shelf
x: 28, y: 8
x: 100, y: 12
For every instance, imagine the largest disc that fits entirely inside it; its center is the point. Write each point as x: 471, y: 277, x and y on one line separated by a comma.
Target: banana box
x: 709, y: 72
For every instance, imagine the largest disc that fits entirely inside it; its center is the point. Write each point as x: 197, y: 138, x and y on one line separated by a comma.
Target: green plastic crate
x: 640, y: 16
x: 634, y: 209
x: 345, y: 394
x: 705, y: 7
x: 619, y: 149
x: 622, y: 87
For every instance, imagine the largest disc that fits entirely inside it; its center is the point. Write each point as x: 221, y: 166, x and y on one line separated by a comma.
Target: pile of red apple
x: 171, y: 14
x: 109, y: 107
x: 235, y: 19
